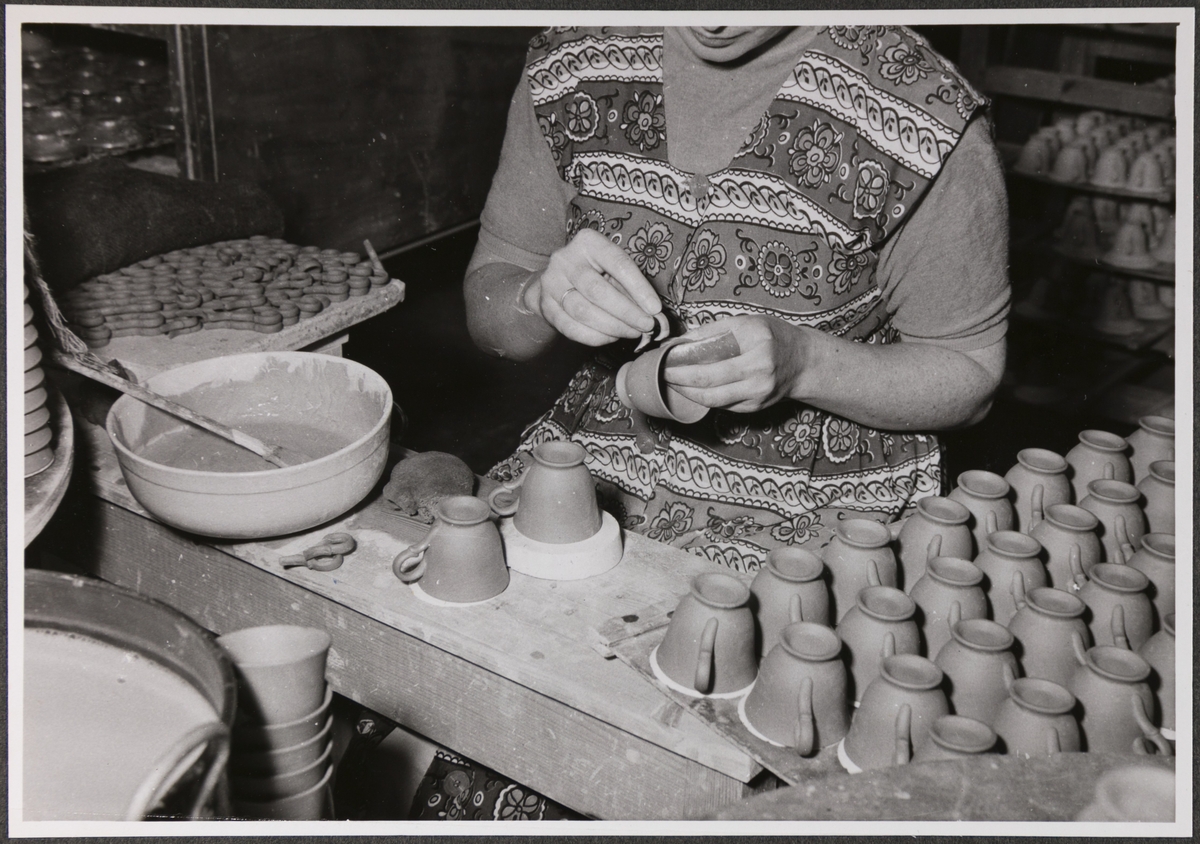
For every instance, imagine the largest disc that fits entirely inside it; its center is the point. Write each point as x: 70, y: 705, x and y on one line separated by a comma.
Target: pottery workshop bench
x: 517, y: 683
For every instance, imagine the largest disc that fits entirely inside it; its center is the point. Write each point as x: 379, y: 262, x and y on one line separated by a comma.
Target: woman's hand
x: 773, y: 357
x: 593, y: 292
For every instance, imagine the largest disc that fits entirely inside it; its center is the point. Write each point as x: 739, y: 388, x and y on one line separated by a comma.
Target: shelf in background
x: 156, y: 144
x: 1083, y: 91
x: 1162, y: 198
x: 1146, y: 338
x: 1160, y: 273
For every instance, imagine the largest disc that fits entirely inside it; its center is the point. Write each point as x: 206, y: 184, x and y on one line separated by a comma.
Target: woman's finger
x: 606, y: 296
x: 607, y: 257
x: 570, y: 327
x: 703, y: 375
x: 725, y: 395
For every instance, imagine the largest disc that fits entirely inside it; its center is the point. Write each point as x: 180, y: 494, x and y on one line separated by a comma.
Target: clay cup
x: 280, y: 668
x: 461, y: 559
x: 557, y: 502
x: 709, y: 645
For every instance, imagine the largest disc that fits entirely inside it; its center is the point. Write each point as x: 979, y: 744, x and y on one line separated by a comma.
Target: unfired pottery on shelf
x: 1122, y: 524
x: 1037, y: 719
x: 280, y: 668
x: 949, y: 591
x: 787, y: 589
x: 1068, y: 533
x: 897, y: 712
x: 1156, y: 560
x: 1044, y: 628
x: 1098, y: 454
x: 461, y: 559
x: 858, y: 556
x: 1038, y: 480
x: 937, y: 528
x: 956, y: 737
x: 800, y: 697
x: 710, y: 642
x: 557, y: 500
x: 1119, y: 610
x: 985, y: 495
x: 975, y: 662
x: 880, y: 624
x: 1158, y: 496
x: 1116, y: 701
x: 1011, y: 564
x: 1159, y: 653
x: 1153, y: 440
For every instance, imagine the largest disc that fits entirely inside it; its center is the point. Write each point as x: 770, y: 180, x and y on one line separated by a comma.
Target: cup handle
x: 409, y: 564
x: 894, y: 529
x: 1053, y: 745
x: 1109, y: 471
x: 873, y: 573
x: 805, y: 733
x: 795, y: 611
x: 1078, y: 647
x: 1125, y: 547
x: 991, y: 524
x: 1008, y: 675
x: 1117, y: 625
x: 1037, y: 510
x: 955, y: 615
x: 903, y: 735
x: 889, y: 645
x: 1150, y: 732
x: 704, y: 665
x: 935, y: 547
x: 1017, y: 587
x: 1075, y: 561
x: 508, y: 488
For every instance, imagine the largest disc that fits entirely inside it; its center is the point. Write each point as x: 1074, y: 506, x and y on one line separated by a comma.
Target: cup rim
x: 1049, y: 689
x: 894, y: 667
x: 1106, y: 660
x: 266, y: 753
x: 811, y: 564
x: 739, y: 592
x: 827, y: 644
x: 307, y: 641
x: 941, y: 569
x: 983, y: 484
x: 993, y: 637
x: 905, y: 606
x: 315, y: 715
x: 1070, y: 606
x: 1072, y: 517
x: 952, y: 512
x: 296, y: 798
x: 1117, y: 577
x: 1113, y: 492
x: 1163, y: 470
x: 463, y: 510
x: 1161, y: 425
x: 1012, y: 543
x: 236, y: 775
x: 559, y: 454
x: 1042, y: 460
x: 863, y: 533
x: 985, y: 737
x: 1102, y: 440
x: 1161, y: 545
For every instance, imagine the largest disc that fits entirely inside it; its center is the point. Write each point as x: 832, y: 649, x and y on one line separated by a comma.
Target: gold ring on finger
x: 562, y: 302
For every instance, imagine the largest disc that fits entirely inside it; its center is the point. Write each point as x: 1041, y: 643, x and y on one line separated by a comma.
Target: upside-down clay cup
x: 800, y: 697
x: 1046, y: 623
x: 1011, y: 564
x: 709, y: 645
x: 1120, y: 610
x: 461, y: 559
x: 937, y: 528
x: 281, y: 669
x: 1037, y: 719
x: 1156, y: 560
x: 1122, y: 523
x: 1038, y: 480
x: 897, y: 712
x: 858, y: 556
x: 640, y: 386
x: 1069, y: 540
x: 956, y: 737
x: 949, y: 592
x: 789, y: 588
x: 1153, y: 440
x: 879, y: 625
x: 1159, y: 652
x: 1098, y: 454
x: 978, y: 664
x: 557, y: 503
x: 1158, y: 494
x: 985, y: 495
x: 1116, y: 701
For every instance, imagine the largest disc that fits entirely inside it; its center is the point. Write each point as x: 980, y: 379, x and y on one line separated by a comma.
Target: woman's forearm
x: 499, y: 324
x: 898, y: 386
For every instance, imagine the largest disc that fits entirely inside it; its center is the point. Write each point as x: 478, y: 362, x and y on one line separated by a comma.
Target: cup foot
x: 675, y: 686
x: 845, y: 760
x: 438, y: 602
x: 741, y: 708
x: 570, y: 561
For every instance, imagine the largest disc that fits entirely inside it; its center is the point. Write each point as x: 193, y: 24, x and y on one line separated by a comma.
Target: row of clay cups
x: 1132, y: 235
x: 281, y: 762
x: 1141, y: 161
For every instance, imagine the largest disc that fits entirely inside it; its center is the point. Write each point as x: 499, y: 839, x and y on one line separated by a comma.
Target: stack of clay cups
x: 281, y: 765
x: 38, y: 451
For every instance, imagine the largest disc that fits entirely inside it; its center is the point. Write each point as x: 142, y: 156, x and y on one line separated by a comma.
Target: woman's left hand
x: 773, y: 357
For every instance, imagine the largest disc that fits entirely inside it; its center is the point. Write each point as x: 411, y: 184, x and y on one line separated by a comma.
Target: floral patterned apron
x: 790, y: 229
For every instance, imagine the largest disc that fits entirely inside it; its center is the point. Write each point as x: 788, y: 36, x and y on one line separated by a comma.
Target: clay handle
x: 1053, y: 745
x: 1075, y: 561
x: 1109, y: 471
x: 1124, y: 544
x: 1078, y: 647
x: 1008, y: 674
x: 991, y: 524
x: 409, y: 564
x: 903, y: 735
x: 889, y: 645
x: 805, y: 734
x: 795, y: 611
x: 873, y: 573
x: 935, y: 547
x: 1017, y: 587
x: 1037, y: 510
x: 508, y: 488
x: 1117, y: 625
x: 704, y: 665
x: 955, y: 615
x: 1150, y: 732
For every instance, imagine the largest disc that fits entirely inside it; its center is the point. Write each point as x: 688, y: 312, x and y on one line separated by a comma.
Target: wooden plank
x: 538, y: 633
x: 1083, y: 91
x: 561, y: 752
x: 985, y: 788
x: 146, y: 356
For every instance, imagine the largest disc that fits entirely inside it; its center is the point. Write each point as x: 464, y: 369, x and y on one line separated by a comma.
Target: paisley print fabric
x: 791, y: 229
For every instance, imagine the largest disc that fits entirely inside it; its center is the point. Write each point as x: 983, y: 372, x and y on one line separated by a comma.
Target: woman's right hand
x: 593, y: 293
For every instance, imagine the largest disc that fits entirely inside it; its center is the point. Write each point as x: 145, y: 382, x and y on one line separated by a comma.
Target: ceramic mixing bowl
x: 319, y: 402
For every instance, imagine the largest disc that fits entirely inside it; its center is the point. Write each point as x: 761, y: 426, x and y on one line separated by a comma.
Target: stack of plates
x: 38, y: 452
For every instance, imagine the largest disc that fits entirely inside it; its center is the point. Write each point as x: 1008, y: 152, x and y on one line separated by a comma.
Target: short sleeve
x: 524, y: 218
x: 944, y: 273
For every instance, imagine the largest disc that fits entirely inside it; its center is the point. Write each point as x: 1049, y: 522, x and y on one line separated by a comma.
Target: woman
x: 828, y: 195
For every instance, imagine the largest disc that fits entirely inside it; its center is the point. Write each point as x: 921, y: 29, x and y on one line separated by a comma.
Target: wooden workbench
x: 516, y: 683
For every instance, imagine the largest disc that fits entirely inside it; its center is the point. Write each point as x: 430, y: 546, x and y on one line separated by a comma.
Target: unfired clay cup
x: 897, y: 712
x: 985, y: 494
x: 1070, y: 165
x: 285, y: 760
x: 710, y: 644
x: 461, y: 559
x: 557, y: 503
x: 787, y: 589
x: 956, y: 737
x: 281, y: 668
x: 1037, y: 719
x: 1146, y: 175
x: 1099, y: 454
x: 308, y: 805
x: 1111, y: 169
x: 640, y: 386
x: 282, y: 784
x: 1038, y: 480
x: 1046, y: 622
x: 253, y: 736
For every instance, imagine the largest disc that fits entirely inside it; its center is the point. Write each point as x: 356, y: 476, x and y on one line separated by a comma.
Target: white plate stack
x: 38, y: 435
